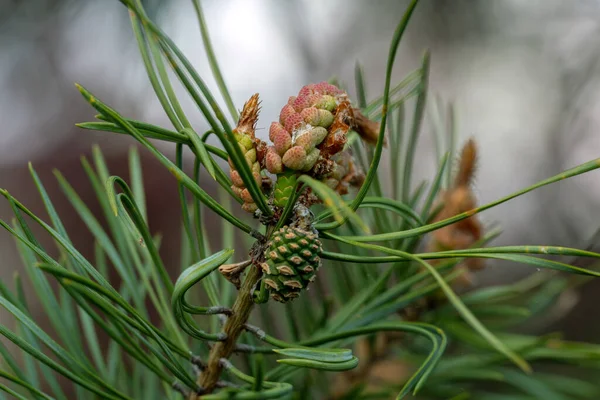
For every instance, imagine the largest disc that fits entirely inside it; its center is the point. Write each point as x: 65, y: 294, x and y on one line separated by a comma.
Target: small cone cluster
x: 311, y: 126
x: 244, y: 135
x: 309, y: 138
x: 292, y: 261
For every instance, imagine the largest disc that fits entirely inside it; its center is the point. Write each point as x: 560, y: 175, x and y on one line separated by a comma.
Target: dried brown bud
x: 367, y: 129
x: 232, y: 272
x: 458, y: 199
x: 336, y: 139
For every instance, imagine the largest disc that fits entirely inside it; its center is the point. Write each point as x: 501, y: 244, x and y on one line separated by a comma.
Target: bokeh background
x: 524, y: 76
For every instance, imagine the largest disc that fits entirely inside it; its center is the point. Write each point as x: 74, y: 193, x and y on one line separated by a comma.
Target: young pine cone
x: 245, y: 138
x: 292, y: 261
x: 311, y: 125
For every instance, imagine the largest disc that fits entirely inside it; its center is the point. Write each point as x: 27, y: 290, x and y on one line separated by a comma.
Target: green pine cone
x: 292, y: 261
x: 284, y: 188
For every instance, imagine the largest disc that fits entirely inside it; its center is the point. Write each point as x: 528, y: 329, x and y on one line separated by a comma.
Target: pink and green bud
x: 310, y: 138
x: 328, y: 88
x: 286, y: 111
x: 273, y: 161
x: 311, y: 116
x: 244, y: 134
x: 317, y: 117
x: 274, y: 128
x: 304, y: 140
x: 306, y: 90
x: 295, y: 158
x: 311, y: 159
x: 293, y: 122
x: 282, y: 141
x: 303, y: 102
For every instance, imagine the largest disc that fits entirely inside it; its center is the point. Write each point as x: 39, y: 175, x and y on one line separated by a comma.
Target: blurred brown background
x: 523, y: 74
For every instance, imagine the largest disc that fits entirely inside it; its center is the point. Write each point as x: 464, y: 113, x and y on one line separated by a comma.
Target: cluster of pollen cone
x: 309, y: 138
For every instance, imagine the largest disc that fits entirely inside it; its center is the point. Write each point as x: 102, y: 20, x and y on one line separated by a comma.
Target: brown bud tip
x: 232, y: 271
x: 467, y: 164
x: 261, y: 151
x: 267, y: 184
x: 367, y: 129
x: 249, y: 116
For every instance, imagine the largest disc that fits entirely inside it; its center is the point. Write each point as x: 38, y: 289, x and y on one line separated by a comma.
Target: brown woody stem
x: 233, y: 328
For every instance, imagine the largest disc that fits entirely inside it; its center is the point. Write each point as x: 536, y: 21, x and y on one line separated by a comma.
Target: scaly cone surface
x: 292, y: 261
x: 311, y: 128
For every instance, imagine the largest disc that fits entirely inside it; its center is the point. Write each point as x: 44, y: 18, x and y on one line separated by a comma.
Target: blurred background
x: 524, y: 76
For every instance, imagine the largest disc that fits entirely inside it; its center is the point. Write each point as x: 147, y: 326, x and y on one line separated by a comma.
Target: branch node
x: 222, y: 310
x: 180, y: 388
x: 197, y: 362
x: 244, y: 348
x: 225, y: 363
x: 256, y: 331
x: 224, y: 384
